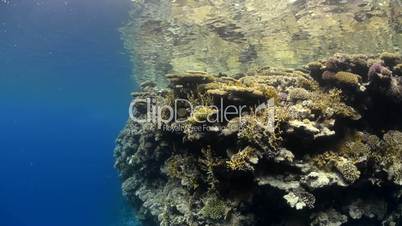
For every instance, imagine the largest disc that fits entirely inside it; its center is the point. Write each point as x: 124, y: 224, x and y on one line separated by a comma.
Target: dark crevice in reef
x: 332, y: 155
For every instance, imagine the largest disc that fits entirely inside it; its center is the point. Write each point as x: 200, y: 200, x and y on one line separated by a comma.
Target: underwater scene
x: 201, y: 112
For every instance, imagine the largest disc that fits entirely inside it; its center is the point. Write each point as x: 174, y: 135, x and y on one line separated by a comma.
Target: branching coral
x: 208, y: 164
x: 243, y: 160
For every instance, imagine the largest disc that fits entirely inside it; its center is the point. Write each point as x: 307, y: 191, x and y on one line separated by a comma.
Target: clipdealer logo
x: 161, y: 115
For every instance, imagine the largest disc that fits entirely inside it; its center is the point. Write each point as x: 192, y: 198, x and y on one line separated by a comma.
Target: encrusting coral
x: 295, y: 147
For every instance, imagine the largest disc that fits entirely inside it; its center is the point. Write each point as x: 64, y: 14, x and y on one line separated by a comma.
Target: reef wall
x: 314, y: 136
x: 316, y: 146
x: 229, y: 37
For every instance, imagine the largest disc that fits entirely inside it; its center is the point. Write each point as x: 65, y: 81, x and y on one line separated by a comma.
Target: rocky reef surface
x: 319, y: 145
x: 173, y: 36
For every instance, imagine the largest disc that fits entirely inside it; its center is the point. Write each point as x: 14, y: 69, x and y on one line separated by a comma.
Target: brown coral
x: 391, y: 59
x: 347, y: 78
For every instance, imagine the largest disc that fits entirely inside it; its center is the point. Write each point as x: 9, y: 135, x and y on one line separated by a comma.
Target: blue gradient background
x: 64, y: 91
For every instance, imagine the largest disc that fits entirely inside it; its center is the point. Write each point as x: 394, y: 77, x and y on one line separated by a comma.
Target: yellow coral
x: 331, y: 103
x: 268, y: 91
x: 347, y: 78
x: 243, y: 160
x: 296, y: 94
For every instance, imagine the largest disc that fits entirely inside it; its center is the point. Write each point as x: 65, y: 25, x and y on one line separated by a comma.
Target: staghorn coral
x: 209, y: 163
x: 314, y: 155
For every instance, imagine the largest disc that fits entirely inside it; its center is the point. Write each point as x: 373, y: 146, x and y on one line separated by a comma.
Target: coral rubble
x: 315, y: 146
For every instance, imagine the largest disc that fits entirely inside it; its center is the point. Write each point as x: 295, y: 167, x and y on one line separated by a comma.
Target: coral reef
x: 268, y: 147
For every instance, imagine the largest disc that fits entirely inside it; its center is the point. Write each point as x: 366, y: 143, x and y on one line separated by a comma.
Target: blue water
x: 64, y: 91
